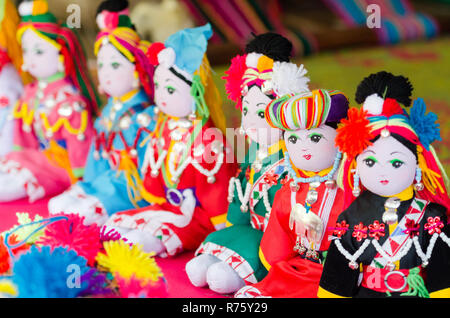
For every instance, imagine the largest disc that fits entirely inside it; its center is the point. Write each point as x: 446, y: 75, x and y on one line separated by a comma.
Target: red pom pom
x: 73, y: 234
x: 233, y: 79
x: 354, y: 135
x: 153, y: 51
x: 391, y: 107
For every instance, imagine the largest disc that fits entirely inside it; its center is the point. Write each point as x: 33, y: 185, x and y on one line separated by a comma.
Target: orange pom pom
x: 354, y: 135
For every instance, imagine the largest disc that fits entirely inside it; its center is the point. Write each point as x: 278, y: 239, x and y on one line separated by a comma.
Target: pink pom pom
x: 233, y: 79
x: 73, y: 234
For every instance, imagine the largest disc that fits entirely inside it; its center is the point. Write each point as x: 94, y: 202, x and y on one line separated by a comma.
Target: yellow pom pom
x: 40, y: 7
x: 7, y: 288
x: 264, y: 63
x: 128, y: 261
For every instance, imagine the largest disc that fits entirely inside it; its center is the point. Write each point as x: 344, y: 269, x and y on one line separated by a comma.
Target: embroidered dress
x: 52, y: 134
x: 114, y: 154
x: 294, y: 264
x: 252, y: 193
x: 11, y: 88
x: 408, y: 258
x: 186, y: 179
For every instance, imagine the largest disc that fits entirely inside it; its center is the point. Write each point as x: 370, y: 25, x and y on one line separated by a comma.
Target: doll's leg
x: 59, y: 203
x: 197, y: 268
x: 11, y: 188
x: 77, y: 202
x: 222, y: 279
x: 148, y: 242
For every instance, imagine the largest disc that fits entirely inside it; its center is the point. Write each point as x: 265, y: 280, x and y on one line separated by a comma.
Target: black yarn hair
x: 405, y: 142
x: 385, y: 85
x: 112, y: 6
x: 116, y: 6
x: 273, y: 45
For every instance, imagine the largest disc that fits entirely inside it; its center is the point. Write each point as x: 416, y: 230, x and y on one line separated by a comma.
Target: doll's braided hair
x: 385, y: 85
x: 273, y: 45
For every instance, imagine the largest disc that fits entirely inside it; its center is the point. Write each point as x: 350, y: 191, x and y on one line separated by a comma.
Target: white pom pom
x: 167, y: 57
x: 100, y: 20
x: 252, y: 59
x: 25, y: 8
x: 373, y: 104
x: 287, y: 78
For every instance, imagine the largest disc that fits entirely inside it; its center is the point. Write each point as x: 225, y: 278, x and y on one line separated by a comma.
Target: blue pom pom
x: 424, y: 124
x: 46, y: 273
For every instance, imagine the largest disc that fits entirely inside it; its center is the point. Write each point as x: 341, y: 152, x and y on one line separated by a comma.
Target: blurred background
x: 331, y: 38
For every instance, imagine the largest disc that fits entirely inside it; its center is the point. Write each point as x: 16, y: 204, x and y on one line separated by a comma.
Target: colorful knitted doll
x: 228, y: 258
x: 125, y: 74
x: 11, y: 86
x: 53, y: 124
x: 296, y: 239
x: 187, y: 165
x: 393, y: 239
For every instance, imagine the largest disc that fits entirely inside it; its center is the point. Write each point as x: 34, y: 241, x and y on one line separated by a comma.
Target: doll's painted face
x: 386, y: 167
x: 40, y: 57
x: 253, y: 120
x: 115, y: 71
x: 313, y: 149
x: 172, y: 94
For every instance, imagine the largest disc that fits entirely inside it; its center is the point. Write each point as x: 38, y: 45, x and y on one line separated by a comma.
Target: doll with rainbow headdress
x: 392, y: 239
x: 295, y: 242
x: 126, y: 76
x: 53, y: 118
x: 187, y: 164
x: 228, y: 258
x: 11, y: 83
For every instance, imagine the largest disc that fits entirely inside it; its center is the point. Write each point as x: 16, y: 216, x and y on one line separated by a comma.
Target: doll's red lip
x: 307, y: 157
x: 164, y: 104
x: 384, y: 182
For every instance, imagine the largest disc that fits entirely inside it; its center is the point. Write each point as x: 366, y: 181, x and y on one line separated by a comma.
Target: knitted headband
x: 307, y: 110
x: 273, y: 77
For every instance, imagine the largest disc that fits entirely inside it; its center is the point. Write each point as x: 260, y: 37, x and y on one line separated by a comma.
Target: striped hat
x: 307, y: 110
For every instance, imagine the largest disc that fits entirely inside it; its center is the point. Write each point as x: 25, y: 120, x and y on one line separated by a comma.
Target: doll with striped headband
x: 228, y: 258
x: 126, y: 76
x: 53, y: 118
x: 187, y: 161
x: 296, y: 238
x: 11, y: 86
x: 395, y: 226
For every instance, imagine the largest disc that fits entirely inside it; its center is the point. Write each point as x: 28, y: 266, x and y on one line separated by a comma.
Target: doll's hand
x: 188, y: 205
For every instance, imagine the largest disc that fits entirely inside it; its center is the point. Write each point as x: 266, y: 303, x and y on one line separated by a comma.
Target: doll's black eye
x: 315, y: 138
x: 261, y: 114
x: 397, y: 163
x: 293, y: 139
x: 245, y: 111
x: 369, y: 162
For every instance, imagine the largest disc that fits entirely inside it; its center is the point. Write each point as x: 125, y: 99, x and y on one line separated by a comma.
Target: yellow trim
x: 443, y: 293
x: 263, y: 260
x: 219, y: 219
x: 405, y: 195
x: 322, y: 293
x: 312, y: 173
x: 228, y: 224
x: 27, y: 117
x: 127, y: 96
x: 276, y: 147
x: 65, y: 122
